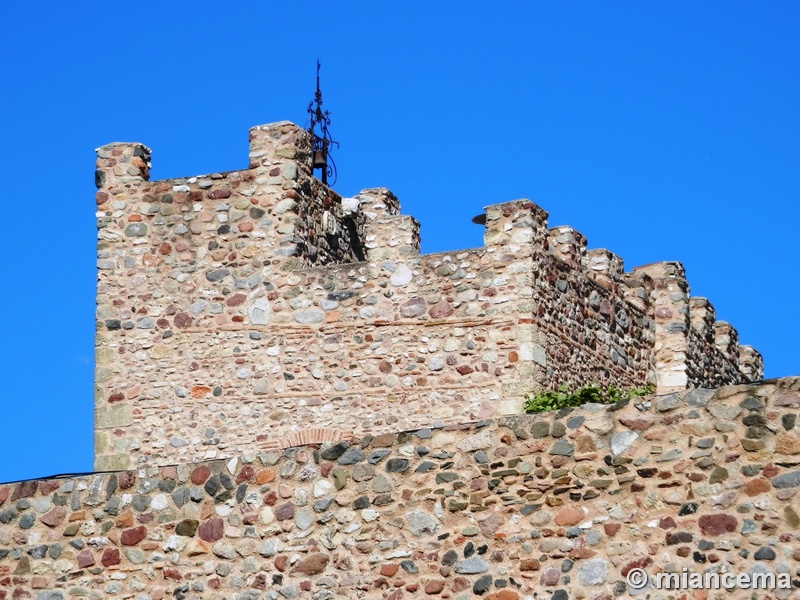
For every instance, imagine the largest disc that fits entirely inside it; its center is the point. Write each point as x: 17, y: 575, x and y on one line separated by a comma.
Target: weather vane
x: 321, y: 142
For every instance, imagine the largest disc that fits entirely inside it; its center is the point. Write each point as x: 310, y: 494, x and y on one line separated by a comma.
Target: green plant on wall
x: 562, y: 398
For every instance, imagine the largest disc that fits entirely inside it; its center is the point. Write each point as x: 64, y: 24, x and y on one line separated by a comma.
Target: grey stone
x: 670, y: 402
x: 764, y: 553
x: 482, y: 584
x: 699, y: 397
x: 562, y: 448
x: 724, y: 412
x: 420, y: 522
x: 471, y: 566
x: 310, y: 316
x: 26, y: 521
x: 268, y: 547
x: 217, y: 274
x: 397, y: 465
x: 376, y: 455
x: 575, y: 422
x: 409, y: 566
x: 303, y: 519
x: 673, y: 454
x: 351, y: 457
x: 593, y: 571
x: 786, y: 480
x: 136, y: 230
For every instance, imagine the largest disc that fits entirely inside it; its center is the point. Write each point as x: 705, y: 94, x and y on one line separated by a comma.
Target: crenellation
x: 751, y: 363
x: 567, y: 244
x: 120, y: 165
x: 237, y: 309
x: 726, y: 339
x: 518, y: 224
x: 604, y: 267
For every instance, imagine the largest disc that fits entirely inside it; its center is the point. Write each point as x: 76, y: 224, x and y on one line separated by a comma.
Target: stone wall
x: 245, y: 308
x: 554, y: 506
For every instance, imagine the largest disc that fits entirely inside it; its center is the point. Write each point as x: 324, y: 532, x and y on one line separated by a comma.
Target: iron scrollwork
x: 321, y: 141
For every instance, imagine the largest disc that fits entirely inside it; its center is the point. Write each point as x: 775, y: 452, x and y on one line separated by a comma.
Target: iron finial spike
x: 321, y: 142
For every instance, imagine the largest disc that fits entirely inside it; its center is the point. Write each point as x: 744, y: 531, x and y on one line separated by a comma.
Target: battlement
x: 238, y: 309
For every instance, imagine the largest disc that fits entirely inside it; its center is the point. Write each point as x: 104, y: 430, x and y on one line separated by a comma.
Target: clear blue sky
x: 661, y: 130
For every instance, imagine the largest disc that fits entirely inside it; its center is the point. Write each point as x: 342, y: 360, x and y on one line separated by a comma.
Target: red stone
x: 101, y: 197
x: 611, y: 529
x: 550, y: 576
x: 503, y: 595
x: 212, y: 530
x: 491, y: 524
x: 219, y: 194
x: 464, y: 370
x: 529, y: 564
x: 389, y: 569
x: 441, y: 309
x: 569, y: 515
x: 639, y: 563
x: 47, y: 487
x: 280, y: 562
x: 236, y: 300
x: 284, y: 512
x: 182, y: 320
x: 26, y: 489
x: 246, y: 474
x: 4, y: 492
x: 757, y: 486
x: 717, y: 524
x: 200, y: 475
x: 198, y: 391
x: 769, y: 470
x: 131, y: 537
x: 667, y: 523
x: 110, y: 557
x: 434, y: 586
x: 312, y: 564
x: 85, y: 559
x: 126, y: 479
x: 117, y: 397
x: 172, y: 574
x: 245, y: 227
x: 55, y: 516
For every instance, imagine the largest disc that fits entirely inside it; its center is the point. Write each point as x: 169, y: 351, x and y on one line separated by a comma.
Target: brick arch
x: 314, y: 435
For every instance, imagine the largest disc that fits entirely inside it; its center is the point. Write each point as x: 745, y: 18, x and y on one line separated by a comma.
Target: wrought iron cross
x: 321, y: 141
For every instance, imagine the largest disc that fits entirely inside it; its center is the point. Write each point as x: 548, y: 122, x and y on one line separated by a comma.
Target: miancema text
x: 716, y: 581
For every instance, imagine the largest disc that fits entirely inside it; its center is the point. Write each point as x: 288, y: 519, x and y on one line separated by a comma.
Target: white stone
x: 322, y: 488
x: 622, y: 441
x: 350, y: 207
x: 258, y: 312
x: 478, y: 441
x: 402, y: 275
x: 159, y: 502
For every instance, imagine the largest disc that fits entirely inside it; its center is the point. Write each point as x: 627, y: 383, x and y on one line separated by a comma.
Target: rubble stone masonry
x: 241, y: 311
x: 554, y: 506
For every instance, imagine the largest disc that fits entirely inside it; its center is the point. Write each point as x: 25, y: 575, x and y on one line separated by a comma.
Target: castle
x: 258, y: 307
x: 292, y: 402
